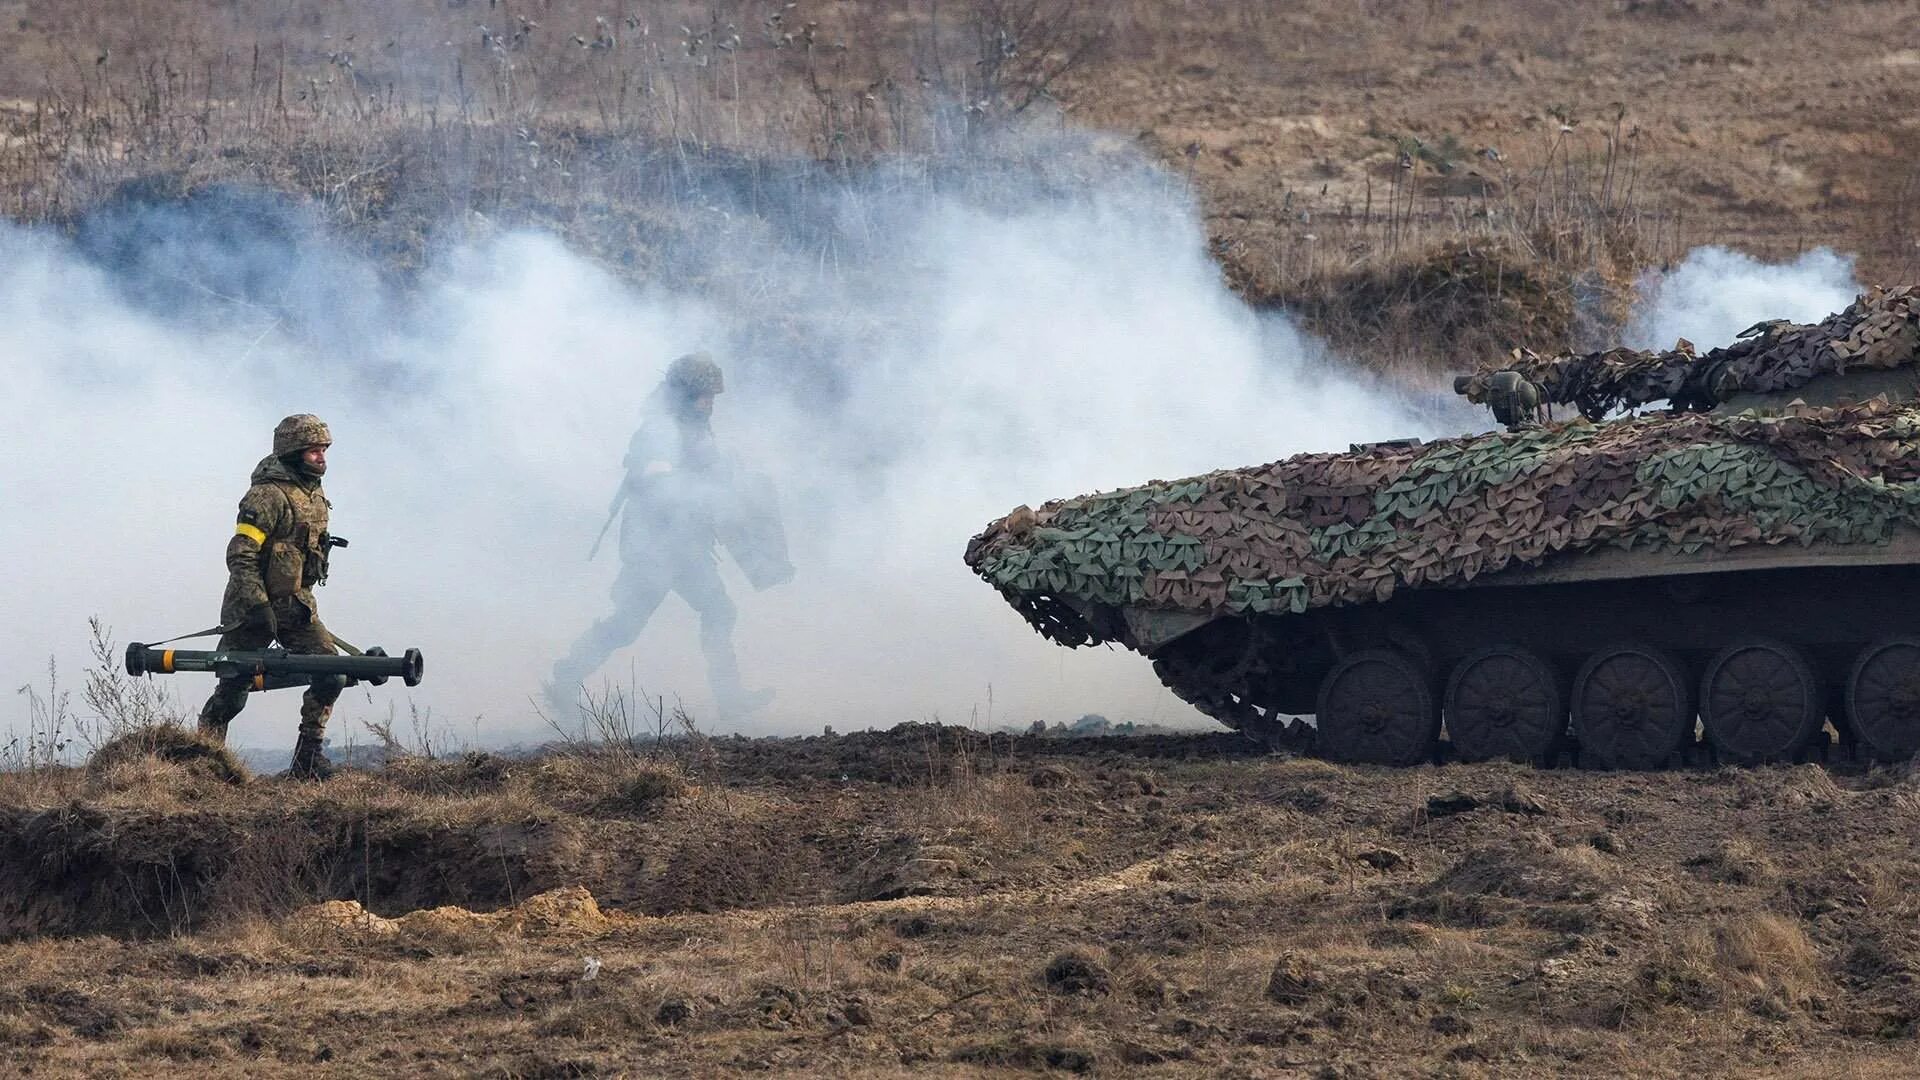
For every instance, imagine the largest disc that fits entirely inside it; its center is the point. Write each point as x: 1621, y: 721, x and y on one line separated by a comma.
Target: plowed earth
x: 927, y: 901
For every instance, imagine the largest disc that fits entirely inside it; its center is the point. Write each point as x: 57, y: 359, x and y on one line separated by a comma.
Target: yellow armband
x: 251, y: 533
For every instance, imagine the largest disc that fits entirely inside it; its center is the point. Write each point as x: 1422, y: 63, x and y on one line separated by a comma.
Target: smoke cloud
x: 908, y: 355
x: 1714, y: 294
x: 925, y: 353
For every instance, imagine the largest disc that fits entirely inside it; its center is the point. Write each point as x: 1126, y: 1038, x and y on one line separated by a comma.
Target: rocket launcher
x: 275, y: 669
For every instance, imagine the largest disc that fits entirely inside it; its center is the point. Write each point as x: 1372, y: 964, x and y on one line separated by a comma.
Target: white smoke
x: 987, y: 347
x: 988, y: 352
x: 1714, y: 294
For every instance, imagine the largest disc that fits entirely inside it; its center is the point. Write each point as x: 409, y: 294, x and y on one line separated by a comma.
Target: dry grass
x: 1757, y: 962
x: 1133, y: 911
x: 129, y: 760
x: 1735, y: 862
x: 1425, y: 184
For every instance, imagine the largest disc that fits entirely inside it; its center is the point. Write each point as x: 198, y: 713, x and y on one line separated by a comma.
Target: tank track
x: 1225, y: 699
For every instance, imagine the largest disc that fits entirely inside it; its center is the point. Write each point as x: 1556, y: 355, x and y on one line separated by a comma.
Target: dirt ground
x: 1423, y: 182
x: 1753, y: 121
x: 928, y: 901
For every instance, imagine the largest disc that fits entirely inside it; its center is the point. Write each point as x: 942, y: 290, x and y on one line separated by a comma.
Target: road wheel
x: 1504, y: 701
x: 1760, y: 701
x: 1377, y: 707
x: 1883, y: 698
x: 1632, y: 708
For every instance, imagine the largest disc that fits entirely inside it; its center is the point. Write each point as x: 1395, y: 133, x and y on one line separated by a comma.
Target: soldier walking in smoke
x: 277, y: 555
x: 680, y: 498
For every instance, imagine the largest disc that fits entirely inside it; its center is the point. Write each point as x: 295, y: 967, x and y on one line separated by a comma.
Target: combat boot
x: 309, y: 760
x: 213, y: 730
x: 219, y: 711
x: 316, y: 706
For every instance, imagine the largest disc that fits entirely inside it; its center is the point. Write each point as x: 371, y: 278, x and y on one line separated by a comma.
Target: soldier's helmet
x: 299, y: 431
x: 695, y: 374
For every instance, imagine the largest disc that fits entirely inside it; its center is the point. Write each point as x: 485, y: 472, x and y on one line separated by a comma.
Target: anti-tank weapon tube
x: 273, y: 669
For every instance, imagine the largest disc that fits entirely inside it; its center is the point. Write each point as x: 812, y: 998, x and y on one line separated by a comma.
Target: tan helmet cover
x: 299, y: 431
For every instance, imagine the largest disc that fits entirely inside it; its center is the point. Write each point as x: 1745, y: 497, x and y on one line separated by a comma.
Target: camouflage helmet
x: 695, y: 374
x: 299, y: 431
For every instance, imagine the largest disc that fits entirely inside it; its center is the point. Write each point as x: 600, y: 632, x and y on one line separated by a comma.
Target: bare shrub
x: 971, y: 792
x: 1014, y: 51
x: 50, y: 728
x: 121, y: 703
x: 625, y: 724
x: 134, y: 716
x: 425, y: 739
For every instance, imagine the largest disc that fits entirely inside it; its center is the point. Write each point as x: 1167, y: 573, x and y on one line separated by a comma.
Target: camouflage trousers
x: 637, y: 593
x: 298, y: 631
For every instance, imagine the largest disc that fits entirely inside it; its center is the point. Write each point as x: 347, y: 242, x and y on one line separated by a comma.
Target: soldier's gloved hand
x: 260, y: 617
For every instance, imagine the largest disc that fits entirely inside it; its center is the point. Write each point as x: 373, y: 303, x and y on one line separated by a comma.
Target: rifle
x: 613, y: 511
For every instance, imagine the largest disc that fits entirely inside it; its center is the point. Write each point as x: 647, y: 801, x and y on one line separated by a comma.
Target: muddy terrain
x: 931, y: 901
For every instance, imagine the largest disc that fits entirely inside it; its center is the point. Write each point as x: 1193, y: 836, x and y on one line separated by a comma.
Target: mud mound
x: 904, y: 754
x: 570, y: 909
x: 78, y: 868
x: 169, y: 743
x: 1532, y: 870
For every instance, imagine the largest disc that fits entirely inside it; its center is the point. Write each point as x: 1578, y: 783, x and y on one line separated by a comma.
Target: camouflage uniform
x: 277, y: 555
x: 677, y: 490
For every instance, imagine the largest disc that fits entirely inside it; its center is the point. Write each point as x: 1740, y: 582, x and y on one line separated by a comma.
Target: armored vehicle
x: 1726, y: 576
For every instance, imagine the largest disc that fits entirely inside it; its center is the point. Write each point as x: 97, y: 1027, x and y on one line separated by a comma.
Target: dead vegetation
x: 911, y: 901
x: 1423, y: 183
x: 124, y: 761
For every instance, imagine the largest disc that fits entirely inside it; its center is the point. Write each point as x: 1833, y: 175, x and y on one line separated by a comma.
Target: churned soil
x: 931, y: 900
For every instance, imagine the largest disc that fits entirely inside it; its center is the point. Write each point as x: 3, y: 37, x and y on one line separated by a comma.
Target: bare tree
x: 1016, y: 51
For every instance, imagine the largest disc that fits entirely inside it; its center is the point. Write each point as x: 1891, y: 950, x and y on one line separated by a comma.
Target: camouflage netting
x: 1878, y: 330
x: 1325, y: 529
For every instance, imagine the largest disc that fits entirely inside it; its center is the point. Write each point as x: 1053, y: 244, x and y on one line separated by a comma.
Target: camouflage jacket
x: 278, y: 552
x: 678, y: 490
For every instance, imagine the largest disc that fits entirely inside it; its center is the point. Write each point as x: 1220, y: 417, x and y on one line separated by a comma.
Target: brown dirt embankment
x: 928, y: 900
